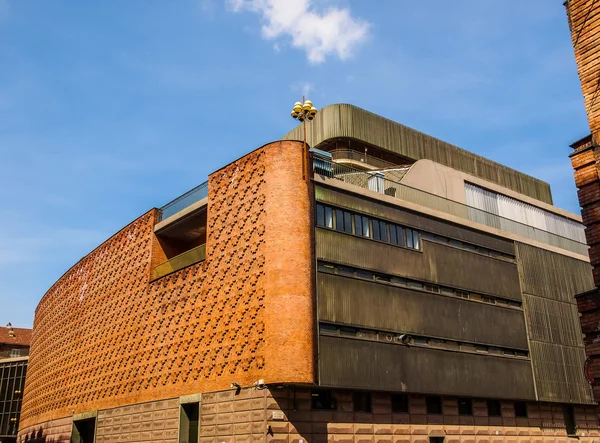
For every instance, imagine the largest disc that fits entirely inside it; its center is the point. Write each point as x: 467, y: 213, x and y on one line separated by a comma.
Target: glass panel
x: 328, y: 217
x: 409, y: 238
x: 347, y: 222
x: 416, y: 242
x: 365, y: 225
x: 400, y: 235
x: 320, y: 215
x: 375, y: 224
x: 358, y: 227
x: 339, y: 220
x: 393, y: 236
x: 383, y: 231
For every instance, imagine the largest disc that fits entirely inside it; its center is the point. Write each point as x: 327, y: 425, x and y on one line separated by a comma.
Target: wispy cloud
x: 320, y: 34
x: 303, y: 87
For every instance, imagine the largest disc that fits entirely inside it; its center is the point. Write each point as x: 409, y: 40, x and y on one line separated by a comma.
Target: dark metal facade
x: 12, y: 381
x: 539, y: 321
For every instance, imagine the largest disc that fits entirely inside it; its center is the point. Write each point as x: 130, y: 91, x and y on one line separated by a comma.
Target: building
x: 583, y: 16
x: 390, y: 287
x: 14, y: 351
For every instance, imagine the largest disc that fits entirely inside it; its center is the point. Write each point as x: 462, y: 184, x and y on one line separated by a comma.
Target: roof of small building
x: 19, y: 336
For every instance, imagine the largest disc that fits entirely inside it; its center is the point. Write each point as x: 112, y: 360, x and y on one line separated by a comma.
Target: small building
x: 384, y: 286
x: 14, y: 351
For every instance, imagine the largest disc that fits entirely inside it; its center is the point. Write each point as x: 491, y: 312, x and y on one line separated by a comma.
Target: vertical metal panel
x: 551, y: 275
x: 342, y: 120
x: 552, y: 321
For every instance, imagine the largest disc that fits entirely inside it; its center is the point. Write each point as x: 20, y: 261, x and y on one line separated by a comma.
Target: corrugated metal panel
x: 343, y: 120
x: 436, y: 263
x: 552, y: 321
x: 552, y: 275
x: 559, y: 373
x: 383, y: 307
x: 404, y: 217
x: 521, y: 212
x: 357, y: 364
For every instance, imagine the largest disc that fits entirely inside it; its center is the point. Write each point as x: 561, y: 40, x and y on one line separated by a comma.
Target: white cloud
x: 332, y: 32
x: 304, y: 87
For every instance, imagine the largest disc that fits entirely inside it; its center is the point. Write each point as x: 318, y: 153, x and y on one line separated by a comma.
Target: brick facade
x: 107, y: 336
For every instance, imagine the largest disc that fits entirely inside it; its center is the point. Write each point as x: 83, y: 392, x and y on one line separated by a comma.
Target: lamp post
x: 302, y: 112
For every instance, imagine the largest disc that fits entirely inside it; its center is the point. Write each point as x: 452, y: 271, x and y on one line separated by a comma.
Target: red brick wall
x: 105, y: 336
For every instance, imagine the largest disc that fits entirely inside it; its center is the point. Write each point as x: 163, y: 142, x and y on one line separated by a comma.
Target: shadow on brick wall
x: 38, y: 437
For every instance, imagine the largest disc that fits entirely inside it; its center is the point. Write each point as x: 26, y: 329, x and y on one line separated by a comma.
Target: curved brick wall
x: 106, y: 336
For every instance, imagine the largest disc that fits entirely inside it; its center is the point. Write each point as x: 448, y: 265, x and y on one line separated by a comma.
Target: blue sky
x: 112, y: 107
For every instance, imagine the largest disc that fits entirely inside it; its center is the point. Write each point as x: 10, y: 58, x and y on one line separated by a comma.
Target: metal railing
x: 376, y: 181
x: 349, y: 154
x: 181, y: 261
x: 183, y: 201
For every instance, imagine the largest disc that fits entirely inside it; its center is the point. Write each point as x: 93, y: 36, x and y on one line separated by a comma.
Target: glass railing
x: 377, y: 182
x: 181, y: 261
x: 349, y: 154
x: 183, y: 201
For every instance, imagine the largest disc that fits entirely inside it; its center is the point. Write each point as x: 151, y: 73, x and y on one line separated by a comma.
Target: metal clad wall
x: 383, y: 307
x: 435, y: 263
x: 342, y: 120
x: 552, y: 275
x: 549, y: 283
x: 404, y: 217
x: 361, y: 364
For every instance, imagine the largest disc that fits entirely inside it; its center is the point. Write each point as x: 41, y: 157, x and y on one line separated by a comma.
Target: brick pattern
x: 147, y: 422
x: 54, y: 431
x: 226, y: 417
x: 105, y: 336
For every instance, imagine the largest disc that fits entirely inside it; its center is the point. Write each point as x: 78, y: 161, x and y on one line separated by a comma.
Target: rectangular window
x: 320, y: 215
x: 339, y: 220
x: 361, y: 401
x: 409, y: 238
x: 328, y: 328
x: 436, y: 439
x: 399, y: 403
x: 465, y: 406
x: 434, y: 404
x: 366, y: 228
x: 416, y: 241
x: 375, y: 224
x: 347, y: 222
x: 358, y: 227
x: 188, y: 423
x: 400, y: 235
x: 494, y: 408
x: 520, y: 409
x: 323, y: 400
x: 393, y: 236
x: 383, y: 234
x: 328, y: 217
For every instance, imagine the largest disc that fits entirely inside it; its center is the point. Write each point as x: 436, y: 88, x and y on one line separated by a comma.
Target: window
x: 188, y: 423
x: 494, y: 409
x: 347, y: 222
x: 339, y: 220
x: 358, y: 227
x: 383, y: 234
x: 361, y: 401
x: 328, y: 217
x: 399, y: 403
x: 323, y: 400
x: 569, y: 417
x: 83, y: 431
x: 409, y: 238
x: 15, y: 353
x: 376, y: 234
x: 434, y: 404
x: 320, y: 215
x: 330, y: 329
x: 465, y: 406
x: 366, y: 232
x: 400, y: 235
x: 393, y: 235
x: 436, y: 439
x: 520, y: 409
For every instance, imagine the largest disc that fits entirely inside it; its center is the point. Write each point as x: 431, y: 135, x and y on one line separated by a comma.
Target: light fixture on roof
x: 303, y: 111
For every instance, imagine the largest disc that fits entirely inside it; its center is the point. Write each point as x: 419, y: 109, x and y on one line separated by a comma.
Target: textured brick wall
x: 226, y: 417
x: 105, y: 336
x: 54, y: 431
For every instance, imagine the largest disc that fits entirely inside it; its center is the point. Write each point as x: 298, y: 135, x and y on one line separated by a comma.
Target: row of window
x: 417, y: 340
x: 348, y: 271
x: 324, y: 399
x: 364, y: 226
